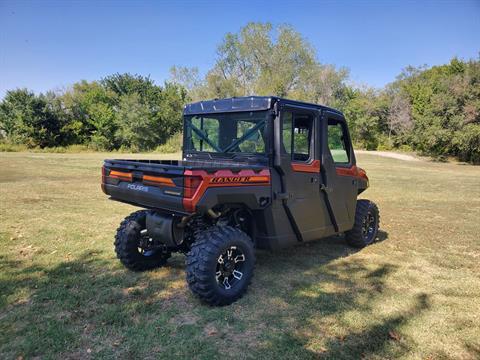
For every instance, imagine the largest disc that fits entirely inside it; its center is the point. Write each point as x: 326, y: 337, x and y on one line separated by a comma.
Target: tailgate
x: 146, y: 183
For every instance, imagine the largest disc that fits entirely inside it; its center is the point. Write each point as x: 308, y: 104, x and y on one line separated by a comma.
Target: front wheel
x: 365, y: 228
x: 220, y: 265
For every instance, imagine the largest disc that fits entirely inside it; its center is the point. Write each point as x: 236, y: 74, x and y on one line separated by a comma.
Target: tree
x: 27, y: 119
x: 126, y: 84
x: 399, y: 118
x: 263, y: 60
x: 445, y: 108
x: 134, y: 130
x: 365, y: 111
x: 99, y: 113
x: 190, y: 80
x: 435, y: 110
x: 141, y: 127
x: 156, y: 112
x: 90, y: 108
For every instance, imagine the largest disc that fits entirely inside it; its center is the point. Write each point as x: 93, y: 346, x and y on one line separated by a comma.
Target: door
x: 340, y: 175
x: 301, y: 167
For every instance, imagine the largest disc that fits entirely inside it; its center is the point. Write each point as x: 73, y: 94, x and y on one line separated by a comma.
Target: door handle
x: 314, y: 180
x: 326, y: 189
x: 283, y: 196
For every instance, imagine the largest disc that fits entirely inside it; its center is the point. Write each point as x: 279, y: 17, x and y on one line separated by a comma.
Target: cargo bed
x: 161, y: 184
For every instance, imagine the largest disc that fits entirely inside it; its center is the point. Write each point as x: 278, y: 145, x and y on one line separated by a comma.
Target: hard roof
x: 246, y: 103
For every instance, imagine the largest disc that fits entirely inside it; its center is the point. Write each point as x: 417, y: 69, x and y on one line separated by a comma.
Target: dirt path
x: 389, y: 154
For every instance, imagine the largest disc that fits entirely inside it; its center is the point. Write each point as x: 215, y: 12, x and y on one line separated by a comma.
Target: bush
x: 6, y: 147
x: 468, y: 143
x: 64, y: 149
x: 99, y: 142
x: 435, y: 111
x: 405, y: 148
x: 385, y: 143
x: 173, y: 145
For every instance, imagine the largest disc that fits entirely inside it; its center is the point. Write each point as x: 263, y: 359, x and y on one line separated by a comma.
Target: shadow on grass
x: 474, y: 350
x: 88, y: 307
x: 381, y: 236
x: 330, y: 283
x: 79, y: 308
x: 88, y: 304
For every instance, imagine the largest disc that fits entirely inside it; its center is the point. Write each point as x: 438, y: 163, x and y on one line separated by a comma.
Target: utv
x: 256, y: 172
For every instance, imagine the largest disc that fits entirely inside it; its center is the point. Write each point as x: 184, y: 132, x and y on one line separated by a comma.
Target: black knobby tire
x: 203, y: 265
x: 127, y: 242
x: 365, y: 228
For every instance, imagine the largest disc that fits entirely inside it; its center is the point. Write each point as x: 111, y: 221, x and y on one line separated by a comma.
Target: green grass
x: 415, y: 294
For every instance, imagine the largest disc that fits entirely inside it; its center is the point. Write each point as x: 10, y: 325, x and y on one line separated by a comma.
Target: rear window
x: 226, y: 133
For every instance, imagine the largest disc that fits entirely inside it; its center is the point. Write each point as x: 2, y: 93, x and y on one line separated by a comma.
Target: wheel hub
x: 228, y: 267
x: 145, y: 244
x: 229, y: 270
x: 368, y: 225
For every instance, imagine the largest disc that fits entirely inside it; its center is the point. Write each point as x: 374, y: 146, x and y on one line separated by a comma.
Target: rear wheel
x: 134, y: 247
x: 365, y: 228
x: 220, y: 265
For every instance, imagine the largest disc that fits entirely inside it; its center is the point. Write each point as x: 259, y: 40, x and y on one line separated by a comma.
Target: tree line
x: 435, y: 111
x: 121, y: 111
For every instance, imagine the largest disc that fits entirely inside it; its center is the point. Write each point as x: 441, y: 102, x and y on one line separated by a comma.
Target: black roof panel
x: 247, y: 103
x: 250, y: 103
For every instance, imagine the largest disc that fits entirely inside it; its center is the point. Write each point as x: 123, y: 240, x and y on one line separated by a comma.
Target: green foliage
x: 365, y: 112
x: 435, y: 111
x: 8, y: 147
x: 29, y: 119
x: 467, y: 143
x: 445, y: 103
x: 263, y: 60
x: 133, y: 124
x: 126, y: 84
x: 120, y: 111
x: 173, y: 145
x: 90, y: 108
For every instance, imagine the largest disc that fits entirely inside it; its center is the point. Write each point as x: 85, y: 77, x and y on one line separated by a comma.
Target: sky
x: 49, y: 45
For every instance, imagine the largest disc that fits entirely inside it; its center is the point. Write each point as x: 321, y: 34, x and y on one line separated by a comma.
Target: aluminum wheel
x: 229, y: 270
x: 369, y: 226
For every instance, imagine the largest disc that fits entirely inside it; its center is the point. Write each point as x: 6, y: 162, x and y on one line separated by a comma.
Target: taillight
x: 120, y: 175
x: 362, y: 173
x: 191, y: 184
x: 157, y: 180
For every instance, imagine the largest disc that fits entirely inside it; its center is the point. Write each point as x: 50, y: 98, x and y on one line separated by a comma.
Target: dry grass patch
x: 413, y: 294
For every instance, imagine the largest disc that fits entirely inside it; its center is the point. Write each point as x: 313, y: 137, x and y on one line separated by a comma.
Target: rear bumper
x: 145, y: 196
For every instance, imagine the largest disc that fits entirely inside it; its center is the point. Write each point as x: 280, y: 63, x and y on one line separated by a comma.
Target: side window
x: 302, y: 130
x: 337, y: 142
x: 297, y: 135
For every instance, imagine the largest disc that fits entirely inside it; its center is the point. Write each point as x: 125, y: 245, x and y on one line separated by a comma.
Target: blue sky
x: 52, y: 44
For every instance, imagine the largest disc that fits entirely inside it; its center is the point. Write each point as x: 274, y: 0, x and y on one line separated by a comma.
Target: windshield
x: 242, y: 132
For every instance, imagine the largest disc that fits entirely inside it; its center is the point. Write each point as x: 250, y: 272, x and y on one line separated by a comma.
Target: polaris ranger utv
x: 257, y: 172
